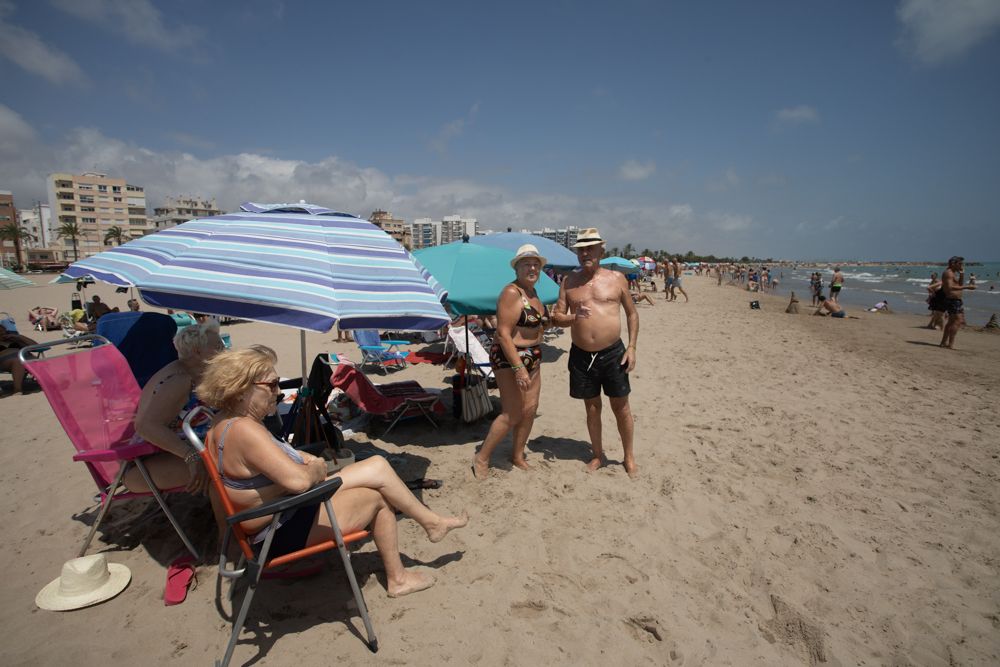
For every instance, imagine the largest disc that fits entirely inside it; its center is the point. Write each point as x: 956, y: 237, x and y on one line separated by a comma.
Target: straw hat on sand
x: 84, y: 581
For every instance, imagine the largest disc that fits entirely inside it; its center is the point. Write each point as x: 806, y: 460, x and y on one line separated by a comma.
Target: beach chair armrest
x: 395, y: 342
x: 118, y: 453
x: 318, y: 493
x: 428, y: 400
x: 370, y: 348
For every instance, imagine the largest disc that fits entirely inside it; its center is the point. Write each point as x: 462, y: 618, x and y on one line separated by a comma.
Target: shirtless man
x: 668, y: 284
x: 678, y: 277
x: 589, y: 303
x: 951, y: 285
x: 829, y: 307
x: 836, y: 283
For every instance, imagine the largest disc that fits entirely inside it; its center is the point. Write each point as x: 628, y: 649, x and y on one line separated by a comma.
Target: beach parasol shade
x: 619, y: 264
x: 473, y: 275
x: 10, y: 280
x: 298, y: 265
x: 558, y: 256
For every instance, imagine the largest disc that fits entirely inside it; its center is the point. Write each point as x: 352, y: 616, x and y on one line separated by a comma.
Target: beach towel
x: 421, y: 357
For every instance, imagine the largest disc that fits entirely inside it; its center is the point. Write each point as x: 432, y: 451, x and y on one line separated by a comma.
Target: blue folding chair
x: 383, y: 354
x: 146, y: 340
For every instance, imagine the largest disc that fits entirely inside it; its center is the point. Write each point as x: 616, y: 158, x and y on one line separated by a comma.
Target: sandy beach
x: 812, y: 491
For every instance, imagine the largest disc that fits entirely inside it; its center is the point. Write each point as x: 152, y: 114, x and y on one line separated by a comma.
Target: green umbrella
x: 474, y: 275
x: 10, y: 280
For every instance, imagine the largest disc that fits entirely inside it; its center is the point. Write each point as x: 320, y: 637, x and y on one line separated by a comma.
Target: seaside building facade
x: 95, y: 203
x: 564, y: 237
x: 8, y: 215
x: 176, y: 210
x: 394, y: 227
x: 38, y: 222
x: 426, y: 232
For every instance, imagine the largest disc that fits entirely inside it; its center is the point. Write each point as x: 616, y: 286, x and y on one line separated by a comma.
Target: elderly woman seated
x: 166, y: 399
x: 256, y: 468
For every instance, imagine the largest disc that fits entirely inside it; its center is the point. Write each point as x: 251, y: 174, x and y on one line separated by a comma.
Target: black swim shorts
x: 954, y: 306
x: 589, y: 372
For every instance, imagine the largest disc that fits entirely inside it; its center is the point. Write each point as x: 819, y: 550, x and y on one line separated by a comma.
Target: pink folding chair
x: 392, y: 401
x: 95, y: 398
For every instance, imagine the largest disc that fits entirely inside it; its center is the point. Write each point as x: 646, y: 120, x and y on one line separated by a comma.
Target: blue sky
x: 837, y: 130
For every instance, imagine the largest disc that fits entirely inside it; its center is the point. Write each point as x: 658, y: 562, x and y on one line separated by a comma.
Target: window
x: 87, y: 199
x: 102, y: 188
x: 141, y: 222
x: 68, y: 207
x: 88, y: 219
x: 116, y: 188
x: 85, y: 186
x: 87, y: 209
x: 65, y: 195
x: 118, y: 199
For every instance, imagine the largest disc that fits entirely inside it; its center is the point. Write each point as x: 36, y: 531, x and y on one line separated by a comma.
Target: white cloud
x: 633, y: 170
x: 798, y: 115
x: 452, y: 130
x: 137, y: 20
x: 936, y: 31
x: 730, y: 222
x: 727, y: 181
x: 28, y: 51
x: 26, y: 160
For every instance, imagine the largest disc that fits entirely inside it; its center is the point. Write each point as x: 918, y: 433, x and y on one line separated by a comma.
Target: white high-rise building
x: 38, y: 222
x: 426, y: 232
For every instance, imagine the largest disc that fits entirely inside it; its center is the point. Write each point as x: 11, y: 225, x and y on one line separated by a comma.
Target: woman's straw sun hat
x: 84, y: 581
x: 527, y: 251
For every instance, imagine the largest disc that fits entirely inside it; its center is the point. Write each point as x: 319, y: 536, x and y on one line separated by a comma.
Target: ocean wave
x: 923, y: 281
x: 889, y: 291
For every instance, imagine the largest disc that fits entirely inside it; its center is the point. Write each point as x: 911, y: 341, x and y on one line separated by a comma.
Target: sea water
x: 905, y: 287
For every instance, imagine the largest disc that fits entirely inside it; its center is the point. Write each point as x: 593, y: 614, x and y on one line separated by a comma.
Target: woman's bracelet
x: 517, y: 368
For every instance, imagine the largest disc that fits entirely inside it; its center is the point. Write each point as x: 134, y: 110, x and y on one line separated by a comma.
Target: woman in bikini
x: 166, y: 399
x: 255, y: 467
x: 516, y: 357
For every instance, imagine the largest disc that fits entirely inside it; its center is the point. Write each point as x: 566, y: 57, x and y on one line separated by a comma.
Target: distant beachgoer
x: 590, y: 303
x: 836, y: 284
x: 516, y: 358
x: 830, y: 307
x: 637, y: 297
x: 133, y: 305
x: 952, y: 286
x: 668, y: 285
x: 99, y: 309
x: 880, y: 307
x: 815, y: 286
x: 935, y: 303
x: 678, y: 282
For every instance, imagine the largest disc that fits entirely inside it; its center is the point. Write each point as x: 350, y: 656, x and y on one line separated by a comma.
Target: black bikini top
x: 530, y: 317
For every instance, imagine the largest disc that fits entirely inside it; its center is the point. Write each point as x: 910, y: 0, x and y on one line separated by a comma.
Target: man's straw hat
x: 588, y: 236
x: 83, y: 582
x: 525, y: 252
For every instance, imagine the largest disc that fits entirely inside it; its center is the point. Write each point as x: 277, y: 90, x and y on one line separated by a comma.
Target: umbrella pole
x: 302, y: 345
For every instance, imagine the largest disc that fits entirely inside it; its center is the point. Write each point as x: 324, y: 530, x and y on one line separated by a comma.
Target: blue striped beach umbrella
x: 10, y: 280
x: 299, y: 265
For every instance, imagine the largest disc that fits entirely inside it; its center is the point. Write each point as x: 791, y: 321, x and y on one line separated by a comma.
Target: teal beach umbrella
x: 473, y: 275
x: 619, y: 264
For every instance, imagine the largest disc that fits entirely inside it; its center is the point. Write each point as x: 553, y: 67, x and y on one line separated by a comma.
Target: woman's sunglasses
x: 270, y: 384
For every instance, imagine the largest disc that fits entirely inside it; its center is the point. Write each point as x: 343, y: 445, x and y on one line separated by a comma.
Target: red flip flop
x: 179, y: 576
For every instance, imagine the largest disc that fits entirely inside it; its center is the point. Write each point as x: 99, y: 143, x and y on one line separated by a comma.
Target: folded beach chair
x: 146, y: 340
x: 254, y: 562
x: 383, y: 354
x: 95, y: 397
x: 475, y: 349
x: 393, y: 401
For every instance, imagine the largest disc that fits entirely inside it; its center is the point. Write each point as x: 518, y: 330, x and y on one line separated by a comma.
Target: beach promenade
x: 812, y: 491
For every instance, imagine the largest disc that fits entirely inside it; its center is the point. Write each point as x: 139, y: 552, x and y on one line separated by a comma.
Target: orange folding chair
x: 253, y: 563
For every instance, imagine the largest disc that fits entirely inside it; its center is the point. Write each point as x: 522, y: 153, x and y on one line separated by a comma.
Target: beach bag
x: 475, y: 399
x: 755, y: 305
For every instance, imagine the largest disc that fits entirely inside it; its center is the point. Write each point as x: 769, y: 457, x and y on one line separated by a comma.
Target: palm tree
x: 72, y: 231
x: 628, y: 251
x: 14, y: 232
x: 116, y: 234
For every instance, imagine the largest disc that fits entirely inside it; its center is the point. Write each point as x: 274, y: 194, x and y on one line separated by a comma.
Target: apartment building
x: 176, y: 210
x: 564, y: 237
x: 8, y: 215
x: 38, y: 222
x: 95, y: 203
x: 454, y: 227
x: 394, y: 227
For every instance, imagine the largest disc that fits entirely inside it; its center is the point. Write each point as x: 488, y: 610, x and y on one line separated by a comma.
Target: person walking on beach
x: 516, y: 359
x: 836, y: 284
x: 590, y: 303
x: 668, y: 285
x: 952, y: 285
x: 678, y: 285
x: 935, y: 303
